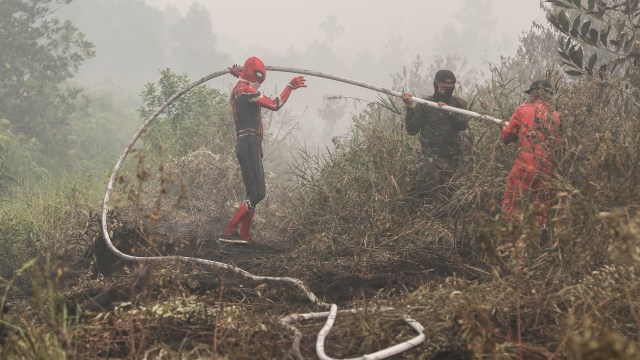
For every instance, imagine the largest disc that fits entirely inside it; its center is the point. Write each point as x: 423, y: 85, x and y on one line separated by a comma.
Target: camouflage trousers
x: 434, y: 173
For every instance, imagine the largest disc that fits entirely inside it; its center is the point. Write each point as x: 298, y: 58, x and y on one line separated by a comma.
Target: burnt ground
x: 100, y: 283
x: 334, y: 280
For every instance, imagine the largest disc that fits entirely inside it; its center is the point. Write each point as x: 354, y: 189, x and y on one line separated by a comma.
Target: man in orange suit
x: 533, y: 126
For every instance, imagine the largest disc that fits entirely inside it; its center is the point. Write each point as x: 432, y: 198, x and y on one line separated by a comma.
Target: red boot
x: 229, y: 233
x: 245, y: 227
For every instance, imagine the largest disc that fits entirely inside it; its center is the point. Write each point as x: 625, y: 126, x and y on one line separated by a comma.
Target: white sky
x: 369, y: 25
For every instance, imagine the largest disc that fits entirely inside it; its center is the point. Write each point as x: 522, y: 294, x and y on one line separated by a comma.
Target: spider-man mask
x: 253, y: 70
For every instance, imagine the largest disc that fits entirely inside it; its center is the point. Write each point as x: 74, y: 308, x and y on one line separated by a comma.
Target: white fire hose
x: 293, y: 281
x: 331, y: 317
x: 384, y: 91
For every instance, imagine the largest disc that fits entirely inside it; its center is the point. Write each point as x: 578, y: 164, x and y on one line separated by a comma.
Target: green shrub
x: 198, y: 119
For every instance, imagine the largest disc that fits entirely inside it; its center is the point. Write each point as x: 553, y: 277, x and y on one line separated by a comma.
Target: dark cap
x: 445, y: 76
x: 540, y: 84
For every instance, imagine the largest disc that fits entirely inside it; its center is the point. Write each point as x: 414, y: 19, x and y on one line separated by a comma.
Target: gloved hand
x: 297, y: 82
x: 235, y: 70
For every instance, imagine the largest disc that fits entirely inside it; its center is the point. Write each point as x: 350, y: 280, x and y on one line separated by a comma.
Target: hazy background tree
x: 134, y: 42
x: 193, y: 44
x: 39, y: 54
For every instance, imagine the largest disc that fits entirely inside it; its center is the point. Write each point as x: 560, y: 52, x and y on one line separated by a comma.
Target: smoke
x: 362, y: 40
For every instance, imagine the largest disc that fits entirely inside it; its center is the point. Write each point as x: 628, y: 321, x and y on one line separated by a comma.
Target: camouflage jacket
x: 438, y: 132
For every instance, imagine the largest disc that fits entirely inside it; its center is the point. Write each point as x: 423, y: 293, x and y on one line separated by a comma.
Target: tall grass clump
x: 355, y: 207
x: 42, y: 220
x: 45, y: 327
x: 356, y: 185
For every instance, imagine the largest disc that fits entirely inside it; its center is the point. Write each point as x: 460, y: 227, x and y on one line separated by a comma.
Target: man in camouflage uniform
x: 438, y: 131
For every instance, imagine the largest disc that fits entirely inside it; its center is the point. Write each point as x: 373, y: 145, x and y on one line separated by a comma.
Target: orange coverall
x: 533, y: 126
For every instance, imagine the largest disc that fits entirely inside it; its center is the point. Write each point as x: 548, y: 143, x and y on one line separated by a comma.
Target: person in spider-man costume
x: 246, y: 103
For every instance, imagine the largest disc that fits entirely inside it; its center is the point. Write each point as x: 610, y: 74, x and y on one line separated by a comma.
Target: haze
x: 362, y: 40
x: 419, y: 27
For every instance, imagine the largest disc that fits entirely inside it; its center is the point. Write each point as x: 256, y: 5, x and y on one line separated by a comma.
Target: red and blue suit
x: 534, y: 127
x: 246, y: 103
